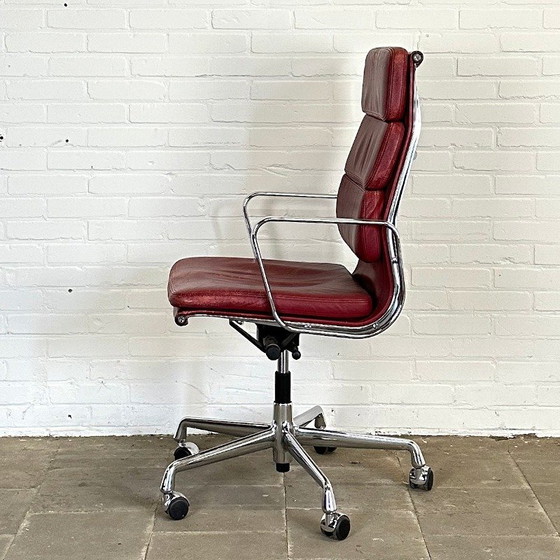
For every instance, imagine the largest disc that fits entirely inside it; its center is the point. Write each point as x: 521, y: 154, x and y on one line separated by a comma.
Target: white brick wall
x: 130, y: 131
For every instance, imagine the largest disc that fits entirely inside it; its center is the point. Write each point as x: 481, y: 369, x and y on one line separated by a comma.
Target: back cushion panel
x: 354, y: 201
x: 374, y: 153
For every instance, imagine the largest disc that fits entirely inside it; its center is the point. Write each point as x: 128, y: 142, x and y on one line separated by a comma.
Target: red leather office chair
x: 285, y: 299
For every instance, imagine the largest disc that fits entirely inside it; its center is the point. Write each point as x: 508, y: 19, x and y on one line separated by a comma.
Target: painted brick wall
x: 131, y: 129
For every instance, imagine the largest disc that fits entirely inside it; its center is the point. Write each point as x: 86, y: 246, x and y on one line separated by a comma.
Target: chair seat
x: 234, y: 287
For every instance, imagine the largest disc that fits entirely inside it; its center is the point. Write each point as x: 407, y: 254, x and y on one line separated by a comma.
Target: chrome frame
x: 338, y: 331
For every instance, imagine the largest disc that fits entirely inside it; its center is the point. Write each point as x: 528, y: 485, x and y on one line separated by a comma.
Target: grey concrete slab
x: 363, y: 466
x: 474, y: 500
x: 493, y: 548
x: 444, y: 500
x: 98, y: 461
x: 460, y: 445
x: 5, y: 542
x: 344, y: 456
x: 87, y: 536
x: 233, y: 519
x: 555, y: 520
x: 540, y: 472
x: 14, y: 506
x: 24, y: 461
x: 23, y: 468
x: 257, y: 468
x: 116, y: 445
x: 218, y: 546
x: 116, y: 452
x: 462, y: 471
x: 533, y: 449
x: 227, y: 496
x: 79, y: 497
x: 486, y: 525
x: 375, y: 533
x: 549, y: 497
x: 482, y: 512
x: 98, y: 489
x: 38, y: 444
x: 306, y: 493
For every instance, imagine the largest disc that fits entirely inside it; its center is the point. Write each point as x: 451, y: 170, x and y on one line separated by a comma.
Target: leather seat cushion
x: 233, y: 286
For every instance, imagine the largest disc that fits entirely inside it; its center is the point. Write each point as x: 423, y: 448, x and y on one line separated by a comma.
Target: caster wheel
x: 176, y: 506
x: 335, y: 526
x: 422, y: 478
x: 323, y: 450
x: 181, y: 452
x: 185, y: 450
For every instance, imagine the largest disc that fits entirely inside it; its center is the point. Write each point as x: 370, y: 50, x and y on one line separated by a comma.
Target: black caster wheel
x: 181, y: 452
x: 337, y: 527
x: 177, y: 506
x: 185, y: 450
x: 324, y: 450
x: 421, y: 479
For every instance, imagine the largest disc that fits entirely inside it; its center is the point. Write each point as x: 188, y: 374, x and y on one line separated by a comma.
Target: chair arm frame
x: 270, y: 194
x: 335, y: 330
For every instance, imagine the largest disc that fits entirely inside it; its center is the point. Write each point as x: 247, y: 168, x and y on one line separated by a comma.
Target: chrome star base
x: 287, y: 436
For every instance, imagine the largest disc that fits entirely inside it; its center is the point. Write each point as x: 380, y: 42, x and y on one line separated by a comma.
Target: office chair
x: 285, y: 299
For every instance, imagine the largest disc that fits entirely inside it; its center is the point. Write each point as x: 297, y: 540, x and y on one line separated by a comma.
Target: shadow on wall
x: 297, y: 141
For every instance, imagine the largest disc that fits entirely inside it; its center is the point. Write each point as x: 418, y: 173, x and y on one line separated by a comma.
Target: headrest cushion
x: 384, y: 90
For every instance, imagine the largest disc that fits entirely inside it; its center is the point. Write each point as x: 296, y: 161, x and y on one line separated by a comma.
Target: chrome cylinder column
x: 281, y: 426
x: 282, y: 422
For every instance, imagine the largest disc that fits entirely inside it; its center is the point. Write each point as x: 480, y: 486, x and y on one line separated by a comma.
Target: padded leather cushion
x: 374, y: 153
x: 230, y: 286
x: 353, y: 201
x: 384, y: 89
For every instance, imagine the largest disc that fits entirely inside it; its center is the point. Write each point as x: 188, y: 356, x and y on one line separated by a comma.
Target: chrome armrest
x: 253, y: 235
x: 277, y: 195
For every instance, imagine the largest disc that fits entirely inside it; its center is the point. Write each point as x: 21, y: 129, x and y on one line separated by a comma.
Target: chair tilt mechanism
x: 285, y: 299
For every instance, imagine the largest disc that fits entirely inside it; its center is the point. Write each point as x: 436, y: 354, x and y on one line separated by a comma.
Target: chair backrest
x: 377, y: 154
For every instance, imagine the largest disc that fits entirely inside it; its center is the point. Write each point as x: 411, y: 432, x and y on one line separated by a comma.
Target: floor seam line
x: 150, y: 535
x: 288, y: 556
x: 534, y: 493
x: 415, y: 511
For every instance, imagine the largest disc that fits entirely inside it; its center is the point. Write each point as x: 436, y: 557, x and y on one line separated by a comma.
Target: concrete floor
x: 98, y: 499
